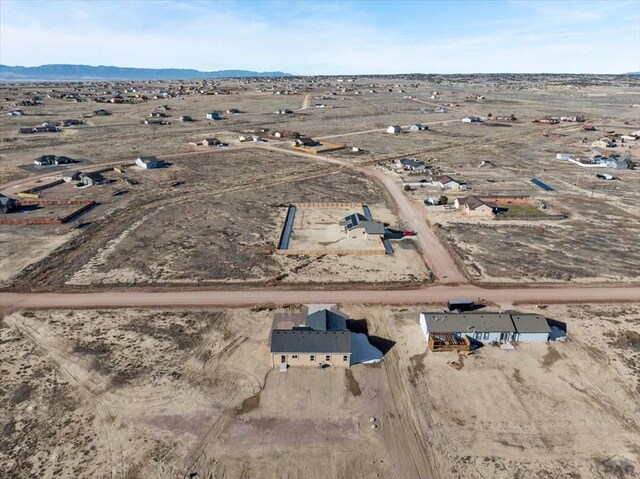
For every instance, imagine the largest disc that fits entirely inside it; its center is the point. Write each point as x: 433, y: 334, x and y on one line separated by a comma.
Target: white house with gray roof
x: 487, y: 327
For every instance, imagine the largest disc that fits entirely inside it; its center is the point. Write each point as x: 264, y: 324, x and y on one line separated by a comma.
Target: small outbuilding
x: 393, y: 130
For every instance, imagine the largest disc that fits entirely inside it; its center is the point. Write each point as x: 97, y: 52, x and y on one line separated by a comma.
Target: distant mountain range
x: 87, y: 72
x: 633, y: 73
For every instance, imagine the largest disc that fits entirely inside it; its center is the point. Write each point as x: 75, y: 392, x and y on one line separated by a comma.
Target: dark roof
x: 358, y: 220
x: 326, y: 320
x: 530, y: 323
x: 445, y: 179
x: 474, y: 202
x: 310, y: 342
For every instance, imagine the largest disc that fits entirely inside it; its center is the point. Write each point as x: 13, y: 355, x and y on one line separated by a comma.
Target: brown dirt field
x: 166, y: 393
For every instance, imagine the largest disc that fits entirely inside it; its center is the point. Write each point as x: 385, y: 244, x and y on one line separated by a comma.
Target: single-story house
x: 410, y: 164
x: 47, y: 160
x: 149, y: 162
x: 359, y: 226
x: 440, y: 109
x: 233, y: 111
x: 616, y: 164
x: 393, y: 130
x: 474, y: 206
x: 90, y: 179
x: 603, y: 143
x: 447, y: 183
x: 471, y: 119
x: 284, y: 111
x: 69, y: 176
x: 485, y: 327
x: 565, y: 156
x: 213, y: 115
x: 186, y: 118
x: 418, y: 127
x: 306, y: 142
x: 102, y: 112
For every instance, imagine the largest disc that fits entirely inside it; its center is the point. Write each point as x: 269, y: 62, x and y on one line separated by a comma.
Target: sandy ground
x: 37, y: 247
x: 168, y: 393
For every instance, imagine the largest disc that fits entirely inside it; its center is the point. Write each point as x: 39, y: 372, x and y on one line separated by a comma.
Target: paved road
x: 430, y: 294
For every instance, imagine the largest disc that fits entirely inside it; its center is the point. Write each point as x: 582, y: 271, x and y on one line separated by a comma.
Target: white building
x: 149, y: 162
x: 565, y: 156
x: 393, y: 130
x: 487, y: 327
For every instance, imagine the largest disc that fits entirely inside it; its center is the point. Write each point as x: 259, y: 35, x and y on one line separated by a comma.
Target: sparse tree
x: 443, y: 200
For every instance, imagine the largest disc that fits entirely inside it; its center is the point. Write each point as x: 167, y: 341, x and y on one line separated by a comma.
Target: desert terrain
x: 134, y: 335
x: 173, y: 393
x: 240, y: 190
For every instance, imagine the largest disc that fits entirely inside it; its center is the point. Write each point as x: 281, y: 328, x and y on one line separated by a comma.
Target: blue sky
x: 314, y: 37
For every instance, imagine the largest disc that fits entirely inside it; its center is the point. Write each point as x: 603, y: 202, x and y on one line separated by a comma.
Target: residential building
x: 306, y: 142
x: 565, y: 156
x: 102, y: 112
x: 484, y: 327
x: 474, y: 206
x: 411, y: 164
x: 471, y: 119
x: 213, y: 115
x: 447, y: 183
x: 91, y: 179
x: 393, y: 130
x: 418, y: 127
x: 149, y: 162
x: 69, y: 176
x: 211, y: 142
x: 603, y: 143
x: 359, y: 226
x: 318, y: 339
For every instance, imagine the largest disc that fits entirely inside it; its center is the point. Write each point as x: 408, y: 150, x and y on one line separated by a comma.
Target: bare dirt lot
x: 168, y: 393
x: 220, y: 223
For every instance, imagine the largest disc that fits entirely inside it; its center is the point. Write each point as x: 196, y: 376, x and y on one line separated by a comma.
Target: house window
x: 294, y: 356
x: 312, y: 358
x: 345, y: 358
x: 486, y: 335
x: 327, y: 358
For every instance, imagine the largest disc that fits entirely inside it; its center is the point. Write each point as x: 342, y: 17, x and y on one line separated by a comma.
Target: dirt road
x: 431, y: 294
x: 435, y: 255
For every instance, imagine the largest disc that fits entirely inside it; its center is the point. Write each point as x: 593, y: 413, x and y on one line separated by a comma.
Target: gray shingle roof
x: 326, y: 320
x: 310, y: 342
x: 469, y: 323
x: 530, y: 323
